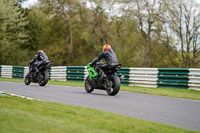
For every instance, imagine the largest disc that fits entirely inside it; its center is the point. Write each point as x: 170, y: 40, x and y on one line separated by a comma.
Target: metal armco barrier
x: 0, y: 71
x: 58, y: 73
x: 6, y: 71
x: 194, y: 79
x: 173, y: 78
x: 181, y: 78
x: 124, y: 71
x: 75, y: 73
x: 18, y: 72
x: 144, y: 77
x: 26, y: 70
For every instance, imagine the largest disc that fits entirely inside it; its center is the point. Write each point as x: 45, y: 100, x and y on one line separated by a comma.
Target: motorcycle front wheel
x: 88, y: 86
x: 45, y: 78
x: 27, y: 80
x: 115, y: 81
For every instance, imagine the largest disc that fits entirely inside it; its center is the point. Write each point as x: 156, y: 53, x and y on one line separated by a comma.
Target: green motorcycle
x: 111, y: 83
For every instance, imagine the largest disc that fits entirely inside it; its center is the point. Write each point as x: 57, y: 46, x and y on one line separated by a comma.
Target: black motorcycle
x: 111, y: 83
x: 42, y: 77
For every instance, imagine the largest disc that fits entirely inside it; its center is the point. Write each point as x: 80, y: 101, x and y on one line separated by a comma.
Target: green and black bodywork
x: 111, y: 83
x: 92, y: 73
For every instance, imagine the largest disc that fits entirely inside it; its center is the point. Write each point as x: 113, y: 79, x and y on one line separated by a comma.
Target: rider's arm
x: 101, y: 56
x: 34, y: 59
x: 93, y: 62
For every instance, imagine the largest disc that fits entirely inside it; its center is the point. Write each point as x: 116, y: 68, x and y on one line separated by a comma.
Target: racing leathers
x: 110, y: 59
x: 39, y: 60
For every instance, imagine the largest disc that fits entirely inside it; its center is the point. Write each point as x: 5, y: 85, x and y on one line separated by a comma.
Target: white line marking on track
x: 30, y: 98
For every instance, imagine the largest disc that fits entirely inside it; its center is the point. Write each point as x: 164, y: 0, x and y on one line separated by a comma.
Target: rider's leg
x: 100, y: 71
x: 36, y: 70
x: 37, y: 66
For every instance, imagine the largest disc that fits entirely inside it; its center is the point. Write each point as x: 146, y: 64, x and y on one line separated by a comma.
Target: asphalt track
x: 172, y: 111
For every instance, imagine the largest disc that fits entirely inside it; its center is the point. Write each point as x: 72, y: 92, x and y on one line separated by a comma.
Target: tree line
x: 143, y: 33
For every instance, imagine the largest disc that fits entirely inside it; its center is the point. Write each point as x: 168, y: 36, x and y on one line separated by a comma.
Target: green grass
x: 18, y: 115
x: 171, y: 92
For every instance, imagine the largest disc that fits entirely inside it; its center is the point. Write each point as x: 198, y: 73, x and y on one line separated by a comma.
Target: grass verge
x: 171, y: 92
x: 20, y: 115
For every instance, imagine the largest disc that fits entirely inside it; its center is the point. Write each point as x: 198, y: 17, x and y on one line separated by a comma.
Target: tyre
x: 115, y: 81
x: 45, y: 79
x: 88, y: 86
x: 27, y: 80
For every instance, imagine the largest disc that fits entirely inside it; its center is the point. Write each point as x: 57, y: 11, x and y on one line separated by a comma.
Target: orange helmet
x: 40, y: 51
x: 106, y: 46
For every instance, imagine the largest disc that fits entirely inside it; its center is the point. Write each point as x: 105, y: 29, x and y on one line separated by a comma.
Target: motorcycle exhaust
x: 122, y: 78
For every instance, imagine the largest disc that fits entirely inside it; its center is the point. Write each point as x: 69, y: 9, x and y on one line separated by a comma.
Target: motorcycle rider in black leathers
x: 110, y: 58
x: 40, y: 59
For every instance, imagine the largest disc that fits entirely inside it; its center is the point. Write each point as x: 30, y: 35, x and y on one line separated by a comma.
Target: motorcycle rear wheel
x: 115, y: 86
x: 88, y: 86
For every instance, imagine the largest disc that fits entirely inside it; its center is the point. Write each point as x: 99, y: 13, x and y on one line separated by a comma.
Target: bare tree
x: 101, y: 11
x: 146, y: 13
x: 184, y: 19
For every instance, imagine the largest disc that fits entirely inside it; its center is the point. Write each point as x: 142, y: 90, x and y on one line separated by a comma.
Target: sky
x: 29, y: 3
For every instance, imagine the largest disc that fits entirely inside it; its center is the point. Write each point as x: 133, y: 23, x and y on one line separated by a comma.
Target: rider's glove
x: 30, y: 62
x: 91, y: 64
